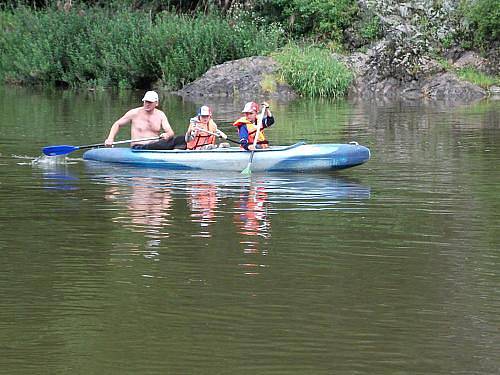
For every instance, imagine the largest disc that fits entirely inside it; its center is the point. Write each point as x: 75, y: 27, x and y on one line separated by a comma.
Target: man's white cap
x: 150, y: 96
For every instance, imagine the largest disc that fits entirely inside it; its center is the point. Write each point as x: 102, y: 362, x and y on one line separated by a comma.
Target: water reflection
x: 56, y: 171
x: 148, y: 195
x: 253, y: 223
x: 253, y: 219
x: 148, y: 206
x: 203, y: 199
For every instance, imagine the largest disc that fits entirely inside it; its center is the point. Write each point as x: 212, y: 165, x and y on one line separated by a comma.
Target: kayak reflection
x: 157, y: 198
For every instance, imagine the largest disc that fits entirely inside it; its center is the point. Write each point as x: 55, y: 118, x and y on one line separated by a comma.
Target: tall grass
x: 478, y: 78
x: 97, y: 47
x: 312, y: 71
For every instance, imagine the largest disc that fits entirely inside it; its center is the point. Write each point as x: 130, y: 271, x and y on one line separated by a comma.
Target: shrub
x: 100, y: 47
x: 324, y: 19
x: 312, y: 71
x: 484, y: 18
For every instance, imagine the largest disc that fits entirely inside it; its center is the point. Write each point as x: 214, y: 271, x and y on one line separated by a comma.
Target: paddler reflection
x: 203, y: 201
x: 252, y: 220
x: 148, y: 207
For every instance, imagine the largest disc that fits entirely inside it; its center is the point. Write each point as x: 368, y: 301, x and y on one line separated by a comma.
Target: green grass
x: 478, y: 78
x: 312, y: 71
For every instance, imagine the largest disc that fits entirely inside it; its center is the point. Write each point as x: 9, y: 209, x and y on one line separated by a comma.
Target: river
x: 390, y: 267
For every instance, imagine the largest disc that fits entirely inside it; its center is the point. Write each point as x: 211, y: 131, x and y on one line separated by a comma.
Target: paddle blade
x: 58, y: 150
x: 247, y: 170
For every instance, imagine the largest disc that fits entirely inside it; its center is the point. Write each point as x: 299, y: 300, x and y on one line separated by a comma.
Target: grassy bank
x: 96, y: 48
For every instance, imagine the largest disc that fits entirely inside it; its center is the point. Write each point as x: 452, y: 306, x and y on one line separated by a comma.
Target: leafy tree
x: 322, y: 19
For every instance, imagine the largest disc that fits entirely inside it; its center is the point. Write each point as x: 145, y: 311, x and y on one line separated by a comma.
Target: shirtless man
x: 147, y: 122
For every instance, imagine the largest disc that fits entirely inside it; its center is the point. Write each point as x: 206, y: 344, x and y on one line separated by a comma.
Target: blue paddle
x: 66, y: 149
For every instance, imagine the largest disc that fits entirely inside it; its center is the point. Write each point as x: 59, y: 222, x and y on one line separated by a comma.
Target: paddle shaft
x: 217, y: 135
x: 66, y: 149
x: 248, y: 169
x: 119, y: 142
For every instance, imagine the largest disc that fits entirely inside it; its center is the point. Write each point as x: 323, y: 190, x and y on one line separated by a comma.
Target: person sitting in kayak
x: 202, y: 131
x: 247, y: 125
x: 146, y: 122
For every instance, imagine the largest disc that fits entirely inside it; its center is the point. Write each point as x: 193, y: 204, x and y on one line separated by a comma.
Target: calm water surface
x: 387, y: 268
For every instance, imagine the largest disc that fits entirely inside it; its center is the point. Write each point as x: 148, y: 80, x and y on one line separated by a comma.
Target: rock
x: 448, y: 86
x: 372, y: 80
x: 470, y: 60
x: 252, y: 78
x: 494, y: 92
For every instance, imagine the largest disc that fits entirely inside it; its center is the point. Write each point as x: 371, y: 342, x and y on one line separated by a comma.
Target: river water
x: 391, y: 267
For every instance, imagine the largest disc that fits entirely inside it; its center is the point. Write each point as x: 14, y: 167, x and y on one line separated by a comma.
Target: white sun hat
x: 150, y: 96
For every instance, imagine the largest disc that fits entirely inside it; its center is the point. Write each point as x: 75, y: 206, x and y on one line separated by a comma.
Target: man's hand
x: 265, y: 105
x: 164, y: 136
x: 109, y: 142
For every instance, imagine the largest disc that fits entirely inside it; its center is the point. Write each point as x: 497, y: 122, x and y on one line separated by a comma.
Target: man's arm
x: 124, y: 120
x: 168, y: 133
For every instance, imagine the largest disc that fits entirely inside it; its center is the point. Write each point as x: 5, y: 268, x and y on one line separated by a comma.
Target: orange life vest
x: 252, y: 130
x: 202, y: 138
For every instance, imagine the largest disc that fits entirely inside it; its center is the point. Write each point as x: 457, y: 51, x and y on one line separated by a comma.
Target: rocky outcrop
x: 401, y: 64
x: 376, y: 73
x: 252, y: 78
x: 375, y: 76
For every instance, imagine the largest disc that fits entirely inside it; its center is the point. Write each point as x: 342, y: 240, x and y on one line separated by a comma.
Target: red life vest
x: 252, y: 130
x: 202, y: 138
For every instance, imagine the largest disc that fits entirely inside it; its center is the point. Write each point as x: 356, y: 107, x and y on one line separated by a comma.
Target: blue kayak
x: 300, y: 157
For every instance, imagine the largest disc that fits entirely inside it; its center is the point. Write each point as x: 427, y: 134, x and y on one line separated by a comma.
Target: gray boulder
x: 448, y: 86
x: 252, y: 78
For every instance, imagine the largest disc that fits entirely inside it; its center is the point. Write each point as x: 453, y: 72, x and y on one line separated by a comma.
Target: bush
x: 323, y: 19
x: 100, y: 47
x: 484, y: 18
x: 313, y: 72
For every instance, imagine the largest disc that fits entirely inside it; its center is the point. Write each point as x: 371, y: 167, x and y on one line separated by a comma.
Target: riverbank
x: 411, y: 50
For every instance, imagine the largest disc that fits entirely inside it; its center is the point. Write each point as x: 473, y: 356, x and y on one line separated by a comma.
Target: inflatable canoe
x: 300, y: 157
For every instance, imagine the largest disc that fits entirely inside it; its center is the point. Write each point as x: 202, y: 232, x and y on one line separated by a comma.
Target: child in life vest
x: 248, y: 123
x: 202, y: 131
